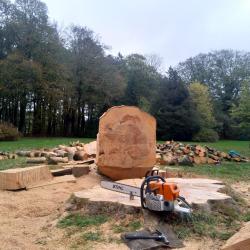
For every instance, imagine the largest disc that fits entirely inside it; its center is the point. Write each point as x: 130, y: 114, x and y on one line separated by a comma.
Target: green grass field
x: 228, y: 170
x: 36, y: 143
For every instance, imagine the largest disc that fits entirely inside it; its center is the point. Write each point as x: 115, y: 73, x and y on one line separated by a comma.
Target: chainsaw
x: 155, y: 194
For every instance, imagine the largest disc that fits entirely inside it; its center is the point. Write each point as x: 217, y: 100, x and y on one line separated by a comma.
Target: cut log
x: 203, y: 159
x: 19, y: 178
x: 90, y: 148
x: 56, y: 180
x: 61, y: 171
x: 56, y: 160
x: 23, y: 153
x: 126, y: 143
x: 37, y: 160
x: 80, y: 170
x: 200, y: 193
x: 37, y: 153
x: 197, y: 160
x: 80, y: 156
x: 239, y: 241
x: 211, y: 161
x: 60, y: 153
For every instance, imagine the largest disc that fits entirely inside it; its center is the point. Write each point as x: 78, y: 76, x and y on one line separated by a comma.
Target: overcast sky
x: 173, y: 29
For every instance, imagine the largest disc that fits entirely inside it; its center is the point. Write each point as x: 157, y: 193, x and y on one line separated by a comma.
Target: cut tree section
x: 200, y: 193
x: 126, y: 143
x: 19, y: 178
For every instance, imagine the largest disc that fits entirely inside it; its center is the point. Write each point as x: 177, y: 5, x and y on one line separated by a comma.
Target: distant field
x: 35, y: 143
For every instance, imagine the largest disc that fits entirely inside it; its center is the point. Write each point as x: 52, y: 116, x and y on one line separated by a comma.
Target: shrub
x: 206, y: 135
x: 8, y: 132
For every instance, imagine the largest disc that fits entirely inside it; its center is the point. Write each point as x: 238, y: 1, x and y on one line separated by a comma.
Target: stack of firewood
x: 7, y: 155
x: 174, y: 153
x: 76, y: 151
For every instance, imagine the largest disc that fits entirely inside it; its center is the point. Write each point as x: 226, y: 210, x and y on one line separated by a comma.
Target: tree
x: 142, y: 81
x: 204, y: 109
x: 17, y: 77
x: 223, y: 72
x: 241, y: 112
x: 96, y: 78
x: 174, y: 110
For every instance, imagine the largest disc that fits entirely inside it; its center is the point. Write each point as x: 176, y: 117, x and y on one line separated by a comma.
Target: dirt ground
x: 28, y: 218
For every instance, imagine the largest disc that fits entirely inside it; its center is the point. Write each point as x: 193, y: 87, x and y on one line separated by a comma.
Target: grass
x: 13, y: 163
x: 219, y: 224
x: 230, y: 171
x: 131, y: 226
x: 40, y: 142
x: 82, y: 221
x: 92, y: 236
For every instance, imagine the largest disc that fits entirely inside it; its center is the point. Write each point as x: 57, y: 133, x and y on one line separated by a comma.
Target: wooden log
x: 12, y: 156
x: 90, y: 148
x: 197, y: 160
x: 36, y: 160
x: 126, y: 143
x: 211, y: 161
x: 239, y: 241
x: 56, y: 160
x: 23, y: 153
x: 214, y: 157
x: 200, y: 193
x: 60, y: 153
x: 56, y: 180
x: 48, y: 154
x: 61, y: 171
x: 37, y: 153
x: 80, y: 156
x: 19, y: 178
x: 80, y: 170
x: 203, y: 160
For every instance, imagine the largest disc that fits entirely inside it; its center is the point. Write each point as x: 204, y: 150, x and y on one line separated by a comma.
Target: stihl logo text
x: 117, y: 187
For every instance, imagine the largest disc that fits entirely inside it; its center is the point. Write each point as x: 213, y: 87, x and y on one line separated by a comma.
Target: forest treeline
x: 58, y: 83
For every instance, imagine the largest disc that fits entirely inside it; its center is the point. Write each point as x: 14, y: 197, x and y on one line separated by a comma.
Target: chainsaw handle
x: 152, y: 173
x: 142, y: 237
x: 175, y: 189
x: 146, y: 182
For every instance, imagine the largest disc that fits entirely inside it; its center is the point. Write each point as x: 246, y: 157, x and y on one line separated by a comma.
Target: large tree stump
x: 200, y: 193
x: 126, y: 143
x: 19, y: 178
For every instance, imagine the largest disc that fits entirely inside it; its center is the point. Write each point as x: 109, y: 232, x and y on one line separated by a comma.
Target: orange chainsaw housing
x: 170, y: 191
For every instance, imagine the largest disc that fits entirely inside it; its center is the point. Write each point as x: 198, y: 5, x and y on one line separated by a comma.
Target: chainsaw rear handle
x: 175, y: 190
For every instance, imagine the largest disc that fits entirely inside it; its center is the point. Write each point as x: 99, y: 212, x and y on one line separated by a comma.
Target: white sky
x: 173, y: 29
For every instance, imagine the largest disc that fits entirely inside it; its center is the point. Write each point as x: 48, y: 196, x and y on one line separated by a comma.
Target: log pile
x: 7, y: 155
x: 176, y: 153
x: 76, y: 151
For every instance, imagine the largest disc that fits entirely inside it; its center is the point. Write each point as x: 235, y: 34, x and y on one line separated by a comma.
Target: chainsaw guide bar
x: 121, y: 188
